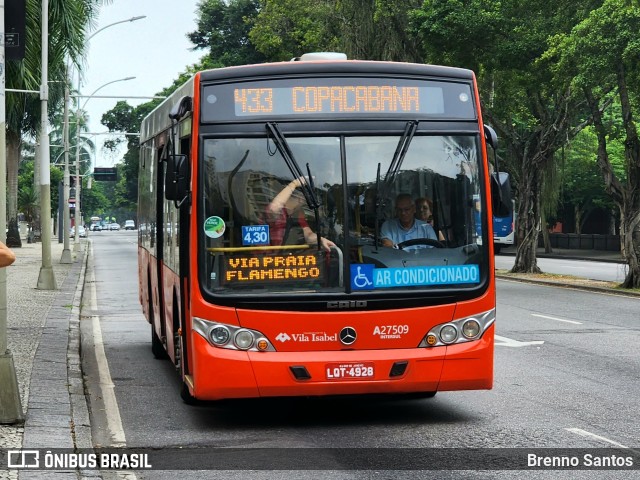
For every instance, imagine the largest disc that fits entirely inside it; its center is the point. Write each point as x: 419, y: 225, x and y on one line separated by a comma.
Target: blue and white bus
x: 504, y: 228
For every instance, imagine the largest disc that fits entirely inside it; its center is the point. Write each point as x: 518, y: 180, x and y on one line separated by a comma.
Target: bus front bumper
x: 222, y: 373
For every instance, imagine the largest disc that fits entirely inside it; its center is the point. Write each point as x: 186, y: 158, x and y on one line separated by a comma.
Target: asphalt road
x: 566, y: 365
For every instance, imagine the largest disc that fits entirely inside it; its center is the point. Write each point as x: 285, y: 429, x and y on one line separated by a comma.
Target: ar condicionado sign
x: 272, y: 268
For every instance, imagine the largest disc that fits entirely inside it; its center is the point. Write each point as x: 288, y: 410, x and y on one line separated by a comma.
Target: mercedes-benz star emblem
x: 348, y: 335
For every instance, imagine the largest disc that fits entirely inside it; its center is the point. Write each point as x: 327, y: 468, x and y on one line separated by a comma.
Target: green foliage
x: 94, y: 202
x: 223, y: 30
x: 27, y: 191
x: 582, y: 179
x: 287, y: 28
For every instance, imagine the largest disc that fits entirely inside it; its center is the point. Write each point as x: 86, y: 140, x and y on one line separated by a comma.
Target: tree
x: 533, y: 112
x: 27, y: 197
x: 363, y: 29
x: 285, y: 29
x: 584, y: 187
x: 125, y: 118
x: 600, y: 57
x: 68, y: 23
x: 223, y: 30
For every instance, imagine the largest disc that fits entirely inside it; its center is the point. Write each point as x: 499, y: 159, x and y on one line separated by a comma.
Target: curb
x: 569, y: 257
x: 568, y: 284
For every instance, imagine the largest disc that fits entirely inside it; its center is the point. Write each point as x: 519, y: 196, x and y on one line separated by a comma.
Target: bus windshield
x: 415, y: 225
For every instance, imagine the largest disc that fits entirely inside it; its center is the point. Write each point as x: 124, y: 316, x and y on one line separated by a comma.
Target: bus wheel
x: 186, y: 395
x: 496, y: 248
x: 157, y: 347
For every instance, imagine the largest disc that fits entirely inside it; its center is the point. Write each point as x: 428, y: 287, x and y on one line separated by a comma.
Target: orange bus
x: 278, y: 252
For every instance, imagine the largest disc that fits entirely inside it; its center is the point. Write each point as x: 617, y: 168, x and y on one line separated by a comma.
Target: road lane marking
x: 112, y: 412
x: 584, y: 433
x: 106, y: 385
x: 556, y: 318
x: 509, y: 342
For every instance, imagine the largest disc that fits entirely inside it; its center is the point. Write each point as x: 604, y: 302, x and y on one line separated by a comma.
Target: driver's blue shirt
x: 392, y: 230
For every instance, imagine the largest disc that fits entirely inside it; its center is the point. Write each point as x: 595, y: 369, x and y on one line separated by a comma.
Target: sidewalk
x: 43, y: 337
x: 569, y: 280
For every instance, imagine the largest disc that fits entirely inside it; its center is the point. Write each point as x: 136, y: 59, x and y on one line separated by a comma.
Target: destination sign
x: 272, y: 268
x: 338, y: 97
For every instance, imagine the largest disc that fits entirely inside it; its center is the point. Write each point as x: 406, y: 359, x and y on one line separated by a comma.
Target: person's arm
x: 385, y: 235
x: 7, y: 257
x: 277, y: 204
x: 311, y: 237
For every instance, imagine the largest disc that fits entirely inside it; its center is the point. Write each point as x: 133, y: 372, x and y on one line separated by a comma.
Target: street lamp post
x: 66, y: 253
x: 46, y: 278
x: 10, y: 405
x: 78, y: 214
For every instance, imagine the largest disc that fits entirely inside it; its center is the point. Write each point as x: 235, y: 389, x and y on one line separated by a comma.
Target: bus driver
x: 405, y: 226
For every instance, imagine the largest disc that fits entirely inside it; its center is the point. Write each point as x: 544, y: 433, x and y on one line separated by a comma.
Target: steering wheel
x: 421, y: 241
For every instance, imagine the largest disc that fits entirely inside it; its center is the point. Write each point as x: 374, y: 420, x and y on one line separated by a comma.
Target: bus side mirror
x: 501, y: 194
x: 176, y: 179
x: 491, y: 137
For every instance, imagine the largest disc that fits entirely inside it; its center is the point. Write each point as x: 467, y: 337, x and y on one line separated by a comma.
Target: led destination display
x: 272, y: 268
x: 338, y: 97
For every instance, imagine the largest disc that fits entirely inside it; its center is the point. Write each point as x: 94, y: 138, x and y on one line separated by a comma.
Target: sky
x: 154, y: 49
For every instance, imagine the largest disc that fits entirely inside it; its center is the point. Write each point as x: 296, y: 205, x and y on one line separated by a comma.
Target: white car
x: 82, y: 232
x: 114, y: 226
x: 129, y: 225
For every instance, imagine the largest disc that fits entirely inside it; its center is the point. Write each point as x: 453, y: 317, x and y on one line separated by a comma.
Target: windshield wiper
x: 398, y: 156
x: 307, y: 187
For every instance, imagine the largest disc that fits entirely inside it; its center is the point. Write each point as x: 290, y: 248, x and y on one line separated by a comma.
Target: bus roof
x: 336, y: 67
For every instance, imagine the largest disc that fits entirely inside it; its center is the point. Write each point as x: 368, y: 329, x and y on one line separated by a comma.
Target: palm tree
x: 56, y: 139
x: 69, y: 22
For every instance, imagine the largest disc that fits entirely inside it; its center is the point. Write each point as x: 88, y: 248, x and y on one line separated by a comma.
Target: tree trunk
x: 631, y: 202
x: 578, y: 219
x: 13, y: 161
x: 528, y: 226
x: 632, y: 250
x: 545, y: 233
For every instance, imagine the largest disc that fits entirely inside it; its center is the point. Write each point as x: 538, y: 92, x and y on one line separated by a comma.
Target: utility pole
x: 10, y: 405
x: 46, y: 279
x: 66, y: 253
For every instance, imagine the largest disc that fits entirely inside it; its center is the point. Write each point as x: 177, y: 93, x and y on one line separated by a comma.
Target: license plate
x: 349, y: 371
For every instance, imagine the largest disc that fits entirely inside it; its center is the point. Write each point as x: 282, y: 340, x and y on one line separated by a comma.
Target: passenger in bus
x: 424, y: 212
x: 286, y: 218
x: 405, y: 227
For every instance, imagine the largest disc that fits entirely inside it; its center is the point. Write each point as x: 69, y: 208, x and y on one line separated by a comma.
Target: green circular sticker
x: 214, y: 227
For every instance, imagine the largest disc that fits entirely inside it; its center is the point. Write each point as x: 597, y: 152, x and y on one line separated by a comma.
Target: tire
x: 157, y: 347
x: 186, y: 395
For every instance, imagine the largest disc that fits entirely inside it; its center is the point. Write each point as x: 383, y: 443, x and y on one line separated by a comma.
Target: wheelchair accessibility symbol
x: 362, y: 277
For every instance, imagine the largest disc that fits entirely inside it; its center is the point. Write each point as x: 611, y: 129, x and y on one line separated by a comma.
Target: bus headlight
x: 471, y: 328
x: 219, y: 335
x: 448, y: 334
x: 231, y: 337
x: 243, y: 339
x: 462, y: 330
